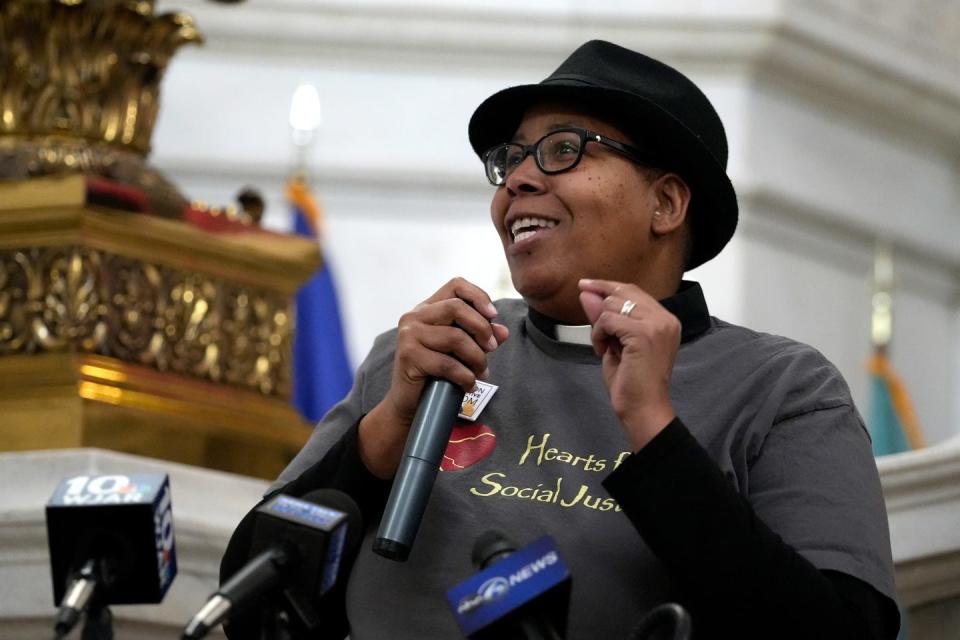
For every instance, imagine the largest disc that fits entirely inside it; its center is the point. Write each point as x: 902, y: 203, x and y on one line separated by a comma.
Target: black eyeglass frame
x: 629, y: 151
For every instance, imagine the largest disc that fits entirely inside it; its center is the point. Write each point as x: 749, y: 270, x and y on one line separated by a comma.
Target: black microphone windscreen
x: 517, y: 593
x: 124, y: 524
x: 491, y: 546
x: 317, y: 538
x: 340, y: 501
x: 321, y: 534
x: 669, y: 621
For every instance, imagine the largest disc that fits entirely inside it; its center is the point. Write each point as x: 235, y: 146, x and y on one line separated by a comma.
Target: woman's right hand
x: 446, y: 336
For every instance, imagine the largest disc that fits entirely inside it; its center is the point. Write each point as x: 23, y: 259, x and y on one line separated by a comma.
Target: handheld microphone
x: 418, y: 468
x: 517, y: 594
x: 111, y: 542
x: 298, y: 548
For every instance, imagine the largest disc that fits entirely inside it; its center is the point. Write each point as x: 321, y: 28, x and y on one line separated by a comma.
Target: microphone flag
x: 125, y: 524
x: 299, y: 549
x: 532, y: 572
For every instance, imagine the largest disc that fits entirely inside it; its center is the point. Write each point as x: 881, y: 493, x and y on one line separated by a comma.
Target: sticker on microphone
x: 476, y: 400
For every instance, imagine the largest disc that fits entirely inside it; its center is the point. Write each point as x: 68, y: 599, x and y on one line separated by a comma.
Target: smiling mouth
x: 523, y: 228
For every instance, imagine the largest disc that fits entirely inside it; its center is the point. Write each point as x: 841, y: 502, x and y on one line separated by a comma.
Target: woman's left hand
x: 638, y: 347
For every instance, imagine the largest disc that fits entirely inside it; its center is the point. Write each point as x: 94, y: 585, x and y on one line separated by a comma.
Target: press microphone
x: 111, y: 542
x: 521, y: 593
x: 298, y: 548
x: 429, y: 434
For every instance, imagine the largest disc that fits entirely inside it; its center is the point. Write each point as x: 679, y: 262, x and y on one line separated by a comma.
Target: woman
x: 672, y: 456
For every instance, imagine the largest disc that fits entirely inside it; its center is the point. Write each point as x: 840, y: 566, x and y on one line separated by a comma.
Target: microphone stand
x: 275, y: 624
x: 83, y: 599
x: 98, y: 623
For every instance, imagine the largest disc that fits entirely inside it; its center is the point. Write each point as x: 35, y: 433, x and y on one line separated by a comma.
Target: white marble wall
x: 843, y: 120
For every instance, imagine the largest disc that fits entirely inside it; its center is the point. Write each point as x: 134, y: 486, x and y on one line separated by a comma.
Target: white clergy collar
x: 576, y: 334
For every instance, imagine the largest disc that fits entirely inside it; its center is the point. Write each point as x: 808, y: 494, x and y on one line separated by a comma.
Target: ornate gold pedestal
x: 80, y: 91
x: 145, y: 335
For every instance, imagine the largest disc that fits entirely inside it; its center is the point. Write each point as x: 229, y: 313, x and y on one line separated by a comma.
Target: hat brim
x: 713, y: 209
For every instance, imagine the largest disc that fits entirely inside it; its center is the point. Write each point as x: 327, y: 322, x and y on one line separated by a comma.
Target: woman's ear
x: 673, y: 201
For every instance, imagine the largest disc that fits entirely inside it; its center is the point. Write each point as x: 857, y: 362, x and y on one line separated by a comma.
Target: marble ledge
x: 922, y: 490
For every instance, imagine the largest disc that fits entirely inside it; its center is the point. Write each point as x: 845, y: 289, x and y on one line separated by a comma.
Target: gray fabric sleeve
x: 369, y: 387
x: 816, y: 482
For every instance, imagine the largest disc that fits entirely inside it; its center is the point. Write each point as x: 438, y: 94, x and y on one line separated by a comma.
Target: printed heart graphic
x: 468, y: 445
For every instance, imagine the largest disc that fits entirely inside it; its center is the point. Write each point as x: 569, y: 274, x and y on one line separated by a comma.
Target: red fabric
x: 112, y: 194
x: 202, y: 219
x: 109, y: 193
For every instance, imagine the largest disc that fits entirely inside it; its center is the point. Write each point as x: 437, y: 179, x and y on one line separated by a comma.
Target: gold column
x: 145, y: 335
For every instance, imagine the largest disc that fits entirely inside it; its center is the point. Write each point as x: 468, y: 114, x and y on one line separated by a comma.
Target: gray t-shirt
x: 775, y: 416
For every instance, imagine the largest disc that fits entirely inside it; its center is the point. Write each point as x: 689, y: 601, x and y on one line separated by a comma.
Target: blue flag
x: 322, y: 375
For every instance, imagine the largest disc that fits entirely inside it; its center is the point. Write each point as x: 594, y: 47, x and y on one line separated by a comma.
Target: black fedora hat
x: 661, y: 109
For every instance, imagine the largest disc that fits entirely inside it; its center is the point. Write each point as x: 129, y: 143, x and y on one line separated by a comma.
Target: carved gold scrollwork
x: 86, y: 69
x: 15, y: 306
x: 50, y: 300
x: 134, y: 330
x: 80, y: 89
x: 263, y: 350
x: 191, y: 327
x: 71, y: 312
x: 73, y: 298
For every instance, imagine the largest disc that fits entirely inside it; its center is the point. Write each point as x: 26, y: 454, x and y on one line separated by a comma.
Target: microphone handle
x: 536, y: 628
x: 422, y: 455
x: 256, y: 578
x: 76, y: 598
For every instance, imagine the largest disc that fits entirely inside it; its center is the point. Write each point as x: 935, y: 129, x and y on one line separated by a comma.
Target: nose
x: 526, y: 177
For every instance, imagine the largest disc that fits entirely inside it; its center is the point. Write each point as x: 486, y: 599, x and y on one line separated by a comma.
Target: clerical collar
x: 572, y: 333
x: 688, y: 304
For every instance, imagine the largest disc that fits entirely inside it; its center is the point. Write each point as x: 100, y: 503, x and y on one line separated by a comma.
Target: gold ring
x: 627, y: 308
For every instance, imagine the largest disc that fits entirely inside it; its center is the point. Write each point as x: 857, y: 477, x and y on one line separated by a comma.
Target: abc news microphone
x: 299, y: 550
x: 111, y: 542
x: 523, y: 594
x: 422, y: 455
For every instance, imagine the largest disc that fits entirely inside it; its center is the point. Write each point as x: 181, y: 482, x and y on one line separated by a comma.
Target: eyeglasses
x: 556, y: 152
